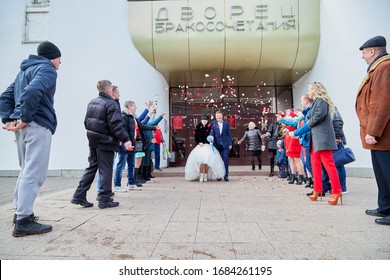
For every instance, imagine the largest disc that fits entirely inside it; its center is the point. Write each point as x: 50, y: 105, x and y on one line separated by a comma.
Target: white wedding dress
x: 208, y: 154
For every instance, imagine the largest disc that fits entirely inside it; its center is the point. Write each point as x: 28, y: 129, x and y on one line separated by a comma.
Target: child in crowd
x: 281, y: 159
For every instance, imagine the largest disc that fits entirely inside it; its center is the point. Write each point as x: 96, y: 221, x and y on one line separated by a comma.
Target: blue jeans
x: 130, y: 169
x: 156, y: 156
x: 123, y: 159
x: 308, y: 160
x: 119, y: 169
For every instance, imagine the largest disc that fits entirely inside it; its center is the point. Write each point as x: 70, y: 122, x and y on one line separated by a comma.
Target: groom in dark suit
x: 220, y: 130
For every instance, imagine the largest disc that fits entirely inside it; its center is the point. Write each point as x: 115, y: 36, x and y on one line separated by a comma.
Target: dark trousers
x: 101, y: 160
x: 342, y: 177
x: 224, y: 152
x: 272, y: 155
x: 381, y: 165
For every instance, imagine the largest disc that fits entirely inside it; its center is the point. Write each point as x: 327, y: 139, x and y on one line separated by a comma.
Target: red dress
x: 293, y: 147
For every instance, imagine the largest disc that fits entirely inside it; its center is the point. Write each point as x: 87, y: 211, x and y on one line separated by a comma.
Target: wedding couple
x: 209, y: 160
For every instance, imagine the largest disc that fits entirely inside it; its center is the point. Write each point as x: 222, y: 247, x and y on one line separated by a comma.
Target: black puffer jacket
x: 103, y: 123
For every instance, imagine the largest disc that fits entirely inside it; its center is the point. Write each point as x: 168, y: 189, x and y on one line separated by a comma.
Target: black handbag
x: 343, y: 156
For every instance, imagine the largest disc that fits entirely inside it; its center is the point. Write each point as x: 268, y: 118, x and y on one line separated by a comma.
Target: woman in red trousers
x: 323, y: 141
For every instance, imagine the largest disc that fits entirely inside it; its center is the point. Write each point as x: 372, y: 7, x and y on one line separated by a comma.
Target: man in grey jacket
x: 26, y: 108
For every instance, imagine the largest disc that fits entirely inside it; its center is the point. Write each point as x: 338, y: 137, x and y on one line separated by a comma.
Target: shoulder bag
x: 343, y: 156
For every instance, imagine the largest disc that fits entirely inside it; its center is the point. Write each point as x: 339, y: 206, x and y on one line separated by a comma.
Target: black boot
x: 293, y: 179
x: 309, y: 182
x: 300, y: 180
x: 29, y: 226
x: 107, y: 202
x: 144, y: 175
x: 81, y: 201
x: 138, y: 179
x: 271, y: 173
x: 149, y: 172
x: 259, y: 161
x: 253, y: 167
x: 32, y: 216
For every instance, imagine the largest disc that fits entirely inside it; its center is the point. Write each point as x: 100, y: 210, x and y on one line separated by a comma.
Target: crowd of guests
x: 300, y: 142
x: 111, y: 132
x: 306, y: 139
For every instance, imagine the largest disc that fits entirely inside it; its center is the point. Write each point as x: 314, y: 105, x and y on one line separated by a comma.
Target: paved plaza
x: 251, y: 217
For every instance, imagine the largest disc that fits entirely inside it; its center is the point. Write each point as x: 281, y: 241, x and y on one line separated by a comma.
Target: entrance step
x: 233, y: 171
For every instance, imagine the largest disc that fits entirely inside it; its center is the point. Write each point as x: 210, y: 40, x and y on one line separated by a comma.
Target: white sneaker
x: 134, y: 188
x: 119, y: 189
x: 345, y: 192
x: 205, y: 177
x: 201, y: 177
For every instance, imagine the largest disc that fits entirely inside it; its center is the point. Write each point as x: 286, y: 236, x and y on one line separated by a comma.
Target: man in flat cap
x: 26, y: 108
x: 373, y: 111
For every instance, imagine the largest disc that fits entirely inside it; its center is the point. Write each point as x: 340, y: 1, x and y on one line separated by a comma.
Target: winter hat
x: 204, y: 117
x: 48, y: 50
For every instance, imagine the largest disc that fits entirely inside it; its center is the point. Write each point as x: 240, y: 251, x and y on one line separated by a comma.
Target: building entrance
x: 240, y: 105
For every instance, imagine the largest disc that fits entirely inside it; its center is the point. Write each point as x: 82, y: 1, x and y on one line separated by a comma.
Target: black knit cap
x: 49, y: 50
x: 377, y: 41
x: 204, y: 117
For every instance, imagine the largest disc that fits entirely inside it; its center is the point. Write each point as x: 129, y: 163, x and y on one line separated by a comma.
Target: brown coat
x: 373, y: 105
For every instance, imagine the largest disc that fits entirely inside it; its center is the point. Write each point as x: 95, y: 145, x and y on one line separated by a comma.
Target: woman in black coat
x: 202, y: 130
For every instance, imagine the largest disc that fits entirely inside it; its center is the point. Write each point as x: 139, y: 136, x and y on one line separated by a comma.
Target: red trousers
x: 325, y: 158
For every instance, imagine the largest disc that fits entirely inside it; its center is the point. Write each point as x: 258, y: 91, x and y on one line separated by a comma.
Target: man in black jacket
x: 103, y: 123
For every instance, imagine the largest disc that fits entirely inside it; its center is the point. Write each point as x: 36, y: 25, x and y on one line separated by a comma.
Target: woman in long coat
x: 323, y: 141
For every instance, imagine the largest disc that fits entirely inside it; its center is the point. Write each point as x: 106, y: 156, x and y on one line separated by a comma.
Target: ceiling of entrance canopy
x: 245, y: 43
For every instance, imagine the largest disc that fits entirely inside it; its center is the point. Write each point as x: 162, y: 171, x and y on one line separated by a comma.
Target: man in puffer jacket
x: 105, y: 131
x: 27, y: 109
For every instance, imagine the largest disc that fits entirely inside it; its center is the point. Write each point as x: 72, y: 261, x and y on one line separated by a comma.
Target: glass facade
x: 240, y: 106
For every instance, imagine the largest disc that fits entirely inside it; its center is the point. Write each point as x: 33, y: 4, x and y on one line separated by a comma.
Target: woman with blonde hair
x: 323, y: 141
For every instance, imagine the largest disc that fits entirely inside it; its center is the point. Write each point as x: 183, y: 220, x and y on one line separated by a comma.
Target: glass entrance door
x: 240, y: 105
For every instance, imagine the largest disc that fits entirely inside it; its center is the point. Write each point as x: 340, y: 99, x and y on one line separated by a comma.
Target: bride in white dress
x: 204, y: 162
